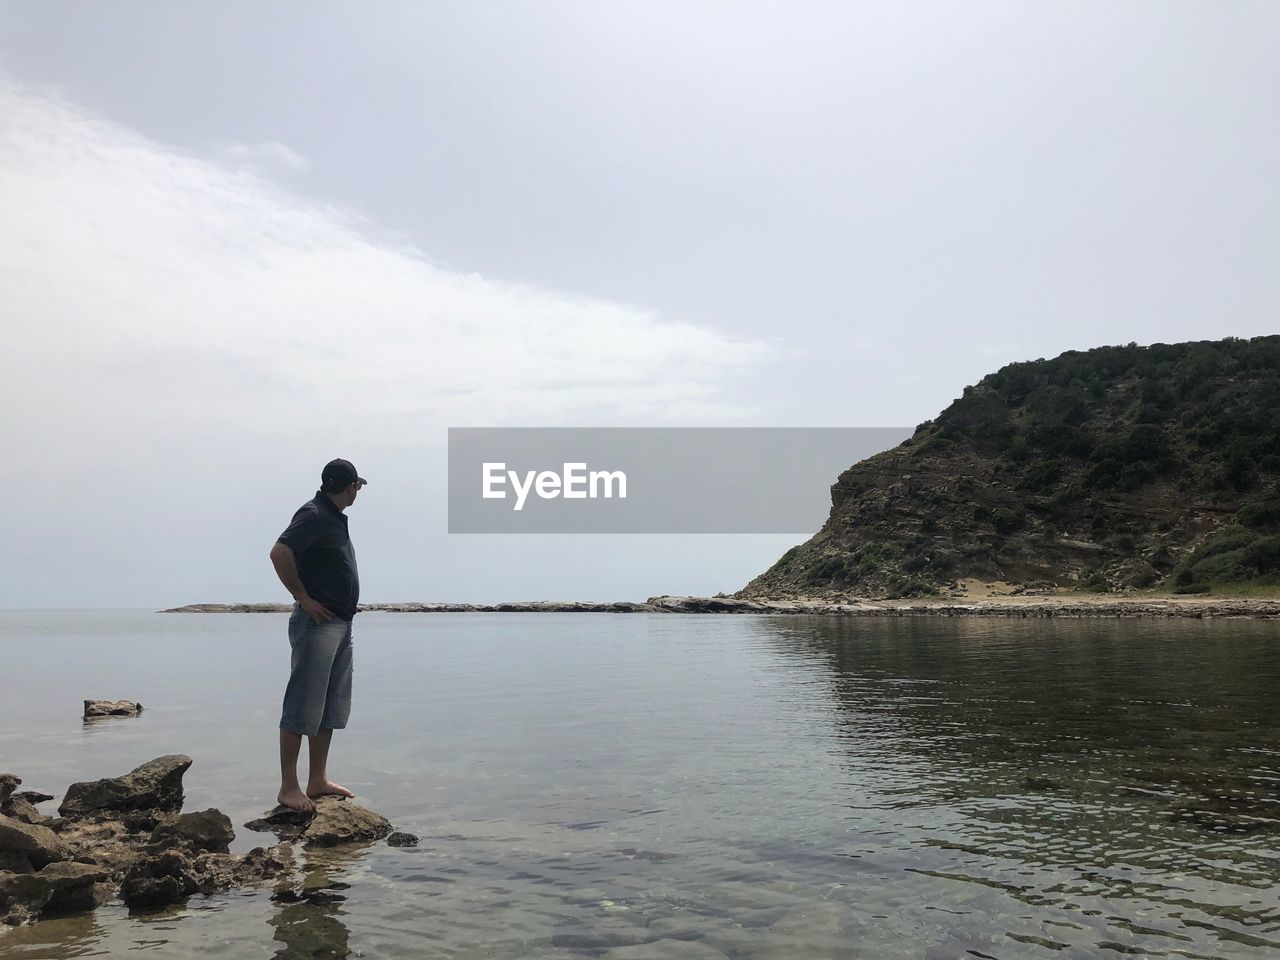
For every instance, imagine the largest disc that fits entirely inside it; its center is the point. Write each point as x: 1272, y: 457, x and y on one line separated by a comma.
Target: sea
x: 696, y: 786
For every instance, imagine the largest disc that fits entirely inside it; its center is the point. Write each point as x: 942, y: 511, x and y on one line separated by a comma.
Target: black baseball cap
x: 338, y: 475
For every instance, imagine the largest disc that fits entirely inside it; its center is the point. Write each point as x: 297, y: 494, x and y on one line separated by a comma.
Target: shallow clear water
x: 746, y: 787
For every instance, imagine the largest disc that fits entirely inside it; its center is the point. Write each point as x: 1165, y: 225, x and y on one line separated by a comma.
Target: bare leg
x: 318, y: 782
x: 291, y: 794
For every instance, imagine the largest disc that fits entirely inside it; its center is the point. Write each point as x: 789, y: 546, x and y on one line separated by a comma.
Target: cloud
x: 147, y: 293
x: 269, y: 157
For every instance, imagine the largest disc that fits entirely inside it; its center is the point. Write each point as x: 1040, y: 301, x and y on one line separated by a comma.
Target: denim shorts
x: 319, y: 690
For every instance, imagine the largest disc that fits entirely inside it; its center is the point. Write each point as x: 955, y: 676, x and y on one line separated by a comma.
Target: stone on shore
x: 111, y: 708
x: 21, y: 806
x: 8, y: 783
x: 208, y: 830
x: 57, y: 888
x: 158, y: 881
x: 33, y: 796
x: 336, y: 820
x: 286, y: 824
x: 217, y: 871
x: 37, y: 843
x: 156, y: 784
x: 122, y: 834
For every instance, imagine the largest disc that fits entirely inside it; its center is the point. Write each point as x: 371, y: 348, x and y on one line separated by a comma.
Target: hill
x: 1107, y: 469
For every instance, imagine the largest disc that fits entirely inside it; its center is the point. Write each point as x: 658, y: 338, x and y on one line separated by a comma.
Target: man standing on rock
x: 316, y: 563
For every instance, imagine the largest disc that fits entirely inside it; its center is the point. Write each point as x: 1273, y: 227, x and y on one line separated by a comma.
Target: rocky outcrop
x: 156, y: 785
x: 1028, y: 605
x: 1110, y: 470
x: 121, y: 835
x: 111, y: 708
x: 335, y: 821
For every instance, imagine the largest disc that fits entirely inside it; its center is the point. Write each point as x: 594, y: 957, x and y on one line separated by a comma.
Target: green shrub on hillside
x: 1236, y: 555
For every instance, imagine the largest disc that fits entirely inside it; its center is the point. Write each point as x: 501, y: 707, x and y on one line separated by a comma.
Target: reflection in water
x: 308, y: 922
x: 1124, y: 777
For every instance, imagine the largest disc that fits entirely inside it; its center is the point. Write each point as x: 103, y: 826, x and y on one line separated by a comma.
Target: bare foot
x: 327, y: 788
x: 295, y: 799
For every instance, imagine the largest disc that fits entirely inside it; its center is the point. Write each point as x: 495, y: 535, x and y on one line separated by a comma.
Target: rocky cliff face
x: 1110, y: 469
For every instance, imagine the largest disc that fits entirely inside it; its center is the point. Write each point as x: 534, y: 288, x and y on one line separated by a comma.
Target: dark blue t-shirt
x: 318, y: 537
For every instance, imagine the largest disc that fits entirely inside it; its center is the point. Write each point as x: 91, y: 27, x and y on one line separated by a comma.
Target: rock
x: 126, y: 835
x: 666, y: 950
x: 8, y: 783
x: 402, y: 839
x: 336, y: 820
x: 283, y: 822
x: 1032, y: 782
x: 205, y: 830
x: 158, y: 881
x: 37, y: 843
x: 216, y: 871
x: 155, y: 784
x: 144, y: 821
x: 111, y: 708
x: 33, y: 796
x: 15, y: 862
x: 20, y: 808
x: 608, y: 935
x: 342, y: 821
x: 684, y: 926
x: 57, y: 888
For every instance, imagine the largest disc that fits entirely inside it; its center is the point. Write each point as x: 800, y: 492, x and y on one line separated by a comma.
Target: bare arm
x: 287, y: 570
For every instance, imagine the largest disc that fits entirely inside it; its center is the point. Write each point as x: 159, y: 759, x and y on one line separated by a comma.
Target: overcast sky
x: 238, y: 239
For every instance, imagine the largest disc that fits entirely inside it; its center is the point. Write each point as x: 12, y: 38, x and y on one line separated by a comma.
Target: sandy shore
x: 998, y: 605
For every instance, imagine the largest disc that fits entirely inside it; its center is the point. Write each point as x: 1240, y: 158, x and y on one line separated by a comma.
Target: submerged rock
x: 111, y: 708
x: 156, y: 784
x: 400, y: 838
x: 666, y: 950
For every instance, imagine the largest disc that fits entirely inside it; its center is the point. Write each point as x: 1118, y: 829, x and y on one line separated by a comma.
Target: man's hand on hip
x: 316, y: 610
